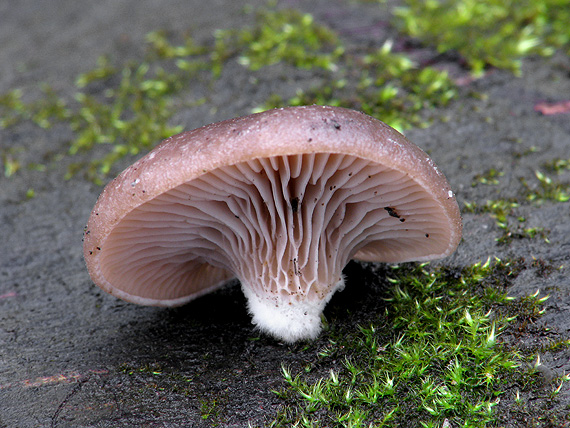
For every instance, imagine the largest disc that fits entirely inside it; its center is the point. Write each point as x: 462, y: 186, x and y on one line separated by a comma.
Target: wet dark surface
x: 72, y: 356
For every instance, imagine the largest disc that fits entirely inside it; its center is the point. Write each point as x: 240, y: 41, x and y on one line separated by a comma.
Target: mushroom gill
x: 285, y: 226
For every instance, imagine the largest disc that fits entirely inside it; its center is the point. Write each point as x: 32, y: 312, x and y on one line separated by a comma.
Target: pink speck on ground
x: 553, y: 108
x: 7, y: 295
x: 70, y: 377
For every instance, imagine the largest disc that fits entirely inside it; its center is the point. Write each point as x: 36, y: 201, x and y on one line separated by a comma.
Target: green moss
x: 405, y: 90
x: 511, y: 225
x: 12, y: 109
x: 154, y: 369
x: 489, y: 32
x: 284, y: 36
x: 42, y: 112
x: 384, y: 84
x: 489, y: 177
x: 160, y: 47
x: 558, y: 346
x: 537, y: 192
x: 439, y: 358
x: 131, y: 115
x: 10, y: 162
x: 547, y: 189
x: 209, y: 409
x: 130, y: 107
x: 558, y: 165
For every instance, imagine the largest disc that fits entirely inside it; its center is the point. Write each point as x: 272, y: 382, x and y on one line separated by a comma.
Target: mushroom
x: 280, y: 200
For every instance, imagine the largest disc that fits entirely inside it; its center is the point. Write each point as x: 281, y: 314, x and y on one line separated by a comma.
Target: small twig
x: 68, y: 397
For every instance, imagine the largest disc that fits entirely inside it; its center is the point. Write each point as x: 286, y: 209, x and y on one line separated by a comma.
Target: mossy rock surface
x: 71, y: 355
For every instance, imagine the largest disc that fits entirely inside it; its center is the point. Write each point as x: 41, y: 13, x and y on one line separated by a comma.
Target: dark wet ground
x: 71, y: 355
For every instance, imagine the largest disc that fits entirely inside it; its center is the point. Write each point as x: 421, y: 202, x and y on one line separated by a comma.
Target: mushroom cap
x: 282, y: 200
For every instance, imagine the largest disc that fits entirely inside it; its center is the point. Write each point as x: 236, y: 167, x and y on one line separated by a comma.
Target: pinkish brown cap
x: 282, y: 200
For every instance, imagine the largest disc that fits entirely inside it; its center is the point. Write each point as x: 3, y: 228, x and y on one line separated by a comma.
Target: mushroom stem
x: 289, y: 321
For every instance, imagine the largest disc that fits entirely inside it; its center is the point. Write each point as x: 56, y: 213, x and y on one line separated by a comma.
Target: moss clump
x: 558, y: 165
x: 47, y: 108
x: 285, y: 36
x: 536, y: 192
x: 438, y: 360
x: 10, y: 162
x: 384, y: 84
x: 489, y: 32
x: 547, y: 189
x: 512, y: 226
x: 489, y: 177
x: 131, y: 114
x: 129, y: 107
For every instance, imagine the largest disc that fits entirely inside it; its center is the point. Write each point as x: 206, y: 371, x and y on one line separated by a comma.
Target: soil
x: 73, y: 356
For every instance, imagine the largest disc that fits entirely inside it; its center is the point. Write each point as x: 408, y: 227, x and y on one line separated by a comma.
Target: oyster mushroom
x: 282, y: 200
